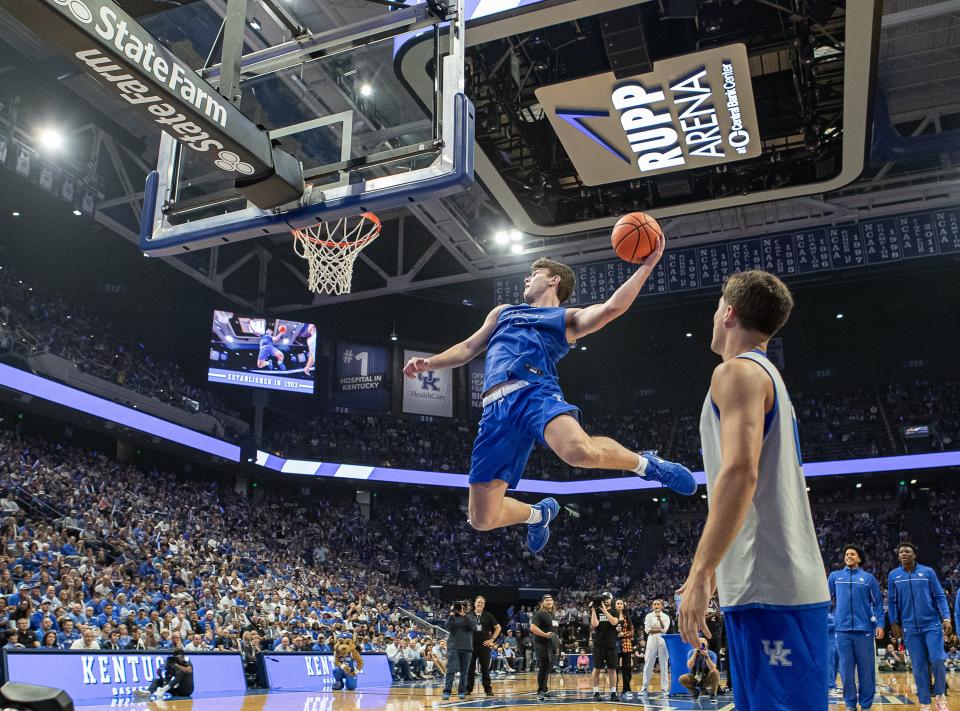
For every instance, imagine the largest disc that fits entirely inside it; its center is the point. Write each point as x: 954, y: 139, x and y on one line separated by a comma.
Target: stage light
x: 689, y: 335
x: 501, y: 237
x: 859, y: 485
x: 839, y: 317
x: 913, y: 481
x: 77, y: 213
x: 366, y: 90
x: 516, y: 248
x: 15, y: 213
x: 583, y: 348
x: 51, y: 139
x: 515, y: 235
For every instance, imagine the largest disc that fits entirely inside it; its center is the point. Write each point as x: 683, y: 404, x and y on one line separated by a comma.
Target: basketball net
x: 331, y: 248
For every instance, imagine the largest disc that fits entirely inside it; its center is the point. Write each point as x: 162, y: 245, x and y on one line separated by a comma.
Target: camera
x: 460, y: 607
x: 600, y: 599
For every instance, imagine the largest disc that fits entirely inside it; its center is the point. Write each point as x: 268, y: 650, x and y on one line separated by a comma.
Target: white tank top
x: 775, y: 559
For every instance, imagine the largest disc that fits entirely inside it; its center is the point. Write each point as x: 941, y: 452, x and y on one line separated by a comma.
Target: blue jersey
x: 916, y: 600
x: 266, y: 341
x: 859, y: 604
x: 526, y: 344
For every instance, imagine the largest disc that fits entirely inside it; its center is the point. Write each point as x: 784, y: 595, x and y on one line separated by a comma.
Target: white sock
x: 536, y: 515
x: 641, y: 468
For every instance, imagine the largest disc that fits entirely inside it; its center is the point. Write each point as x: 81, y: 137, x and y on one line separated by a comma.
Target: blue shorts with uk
x: 268, y: 353
x: 778, y: 657
x: 510, y: 426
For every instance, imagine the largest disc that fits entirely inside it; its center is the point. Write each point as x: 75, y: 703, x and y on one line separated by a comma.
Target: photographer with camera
x: 703, y: 675
x: 461, y: 627
x: 603, y: 622
x: 543, y: 627
x: 486, y: 630
x: 175, y: 679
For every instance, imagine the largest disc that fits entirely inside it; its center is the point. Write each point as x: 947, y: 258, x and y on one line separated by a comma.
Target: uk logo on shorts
x: 778, y: 653
x: 78, y: 9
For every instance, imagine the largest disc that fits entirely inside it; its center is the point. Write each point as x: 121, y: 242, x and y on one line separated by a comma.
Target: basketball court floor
x: 573, y: 692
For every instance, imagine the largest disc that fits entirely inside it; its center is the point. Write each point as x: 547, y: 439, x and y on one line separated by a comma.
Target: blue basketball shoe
x: 539, y: 533
x: 670, y: 474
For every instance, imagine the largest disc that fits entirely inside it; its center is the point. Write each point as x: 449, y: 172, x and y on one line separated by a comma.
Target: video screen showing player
x: 277, y: 354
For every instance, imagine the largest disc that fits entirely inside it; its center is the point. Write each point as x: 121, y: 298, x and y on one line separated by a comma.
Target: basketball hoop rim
x: 372, y: 234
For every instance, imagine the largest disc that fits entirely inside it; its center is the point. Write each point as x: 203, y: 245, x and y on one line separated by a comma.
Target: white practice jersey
x: 775, y: 560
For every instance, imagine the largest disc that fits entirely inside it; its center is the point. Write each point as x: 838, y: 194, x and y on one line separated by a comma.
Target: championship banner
x: 361, y: 377
x: 431, y: 392
x: 692, y: 111
x: 475, y: 374
x: 299, y: 671
x: 99, y: 676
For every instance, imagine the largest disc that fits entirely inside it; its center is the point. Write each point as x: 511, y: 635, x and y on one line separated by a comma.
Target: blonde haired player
x: 523, y: 403
x: 759, y: 548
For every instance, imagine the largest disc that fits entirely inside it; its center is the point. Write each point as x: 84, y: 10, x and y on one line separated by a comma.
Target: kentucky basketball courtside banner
x: 291, y: 671
x: 691, y: 111
x: 361, y: 377
x: 431, y: 392
x: 113, y: 676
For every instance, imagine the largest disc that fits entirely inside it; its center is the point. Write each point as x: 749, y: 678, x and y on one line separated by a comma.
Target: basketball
x: 635, y: 236
x: 282, y: 329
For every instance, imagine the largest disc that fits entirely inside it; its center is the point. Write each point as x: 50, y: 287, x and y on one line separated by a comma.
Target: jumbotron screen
x: 258, y: 352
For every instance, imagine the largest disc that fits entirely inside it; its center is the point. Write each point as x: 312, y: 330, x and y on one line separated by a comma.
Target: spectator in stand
x: 87, y: 641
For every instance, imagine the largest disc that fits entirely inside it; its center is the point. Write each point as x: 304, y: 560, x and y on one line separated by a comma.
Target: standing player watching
x: 269, y: 353
x: 759, y: 546
x: 625, y: 638
x: 486, y: 630
x: 656, y: 624
x: 543, y: 627
x: 918, y: 611
x: 311, y: 349
x: 603, y: 622
x: 523, y: 403
x: 858, y: 620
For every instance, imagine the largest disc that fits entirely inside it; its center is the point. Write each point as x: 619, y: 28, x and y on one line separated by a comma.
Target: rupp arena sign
x: 689, y: 112
x: 117, y: 51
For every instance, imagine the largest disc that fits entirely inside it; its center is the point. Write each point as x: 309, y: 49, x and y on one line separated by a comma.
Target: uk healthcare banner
x: 361, y: 380
x: 431, y: 392
x: 90, y: 675
x: 305, y: 671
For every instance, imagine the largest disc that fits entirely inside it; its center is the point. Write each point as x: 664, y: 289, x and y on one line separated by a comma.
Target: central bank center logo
x: 78, y: 9
x: 428, y: 381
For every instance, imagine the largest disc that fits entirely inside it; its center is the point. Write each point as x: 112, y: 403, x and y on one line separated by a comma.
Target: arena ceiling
x: 445, y: 243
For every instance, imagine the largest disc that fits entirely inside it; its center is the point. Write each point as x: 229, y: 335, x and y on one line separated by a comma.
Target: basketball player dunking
x: 523, y: 403
x: 759, y: 547
x: 269, y: 353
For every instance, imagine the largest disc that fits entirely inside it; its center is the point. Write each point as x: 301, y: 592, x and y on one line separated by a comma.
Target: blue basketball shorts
x: 268, y: 353
x: 778, y: 658
x: 510, y: 426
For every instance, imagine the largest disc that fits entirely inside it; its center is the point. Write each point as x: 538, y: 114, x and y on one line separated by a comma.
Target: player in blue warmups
x: 859, y: 621
x: 523, y: 403
x: 918, y: 611
x: 269, y: 353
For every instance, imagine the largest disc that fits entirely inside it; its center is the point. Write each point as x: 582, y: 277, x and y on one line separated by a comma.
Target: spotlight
x: 366, y: 90
x: 393, y: 336
x: 501, y: 237
x: 859, y: 485
x: 516, y: 248
x: 913, y: 481
x: 51, y: 139
x: 515, y: 235
x: 689, y: 335
x: 583, y: 348
x: 77, y: 213
x: 711, y: 18
x: 839, y: 317
x: 255, y: 24
x: 15, y: 213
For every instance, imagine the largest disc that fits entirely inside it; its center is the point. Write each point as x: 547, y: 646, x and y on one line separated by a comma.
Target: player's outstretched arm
x: 585, y: 321
x: 739, y: 389
x: 457, y: 355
